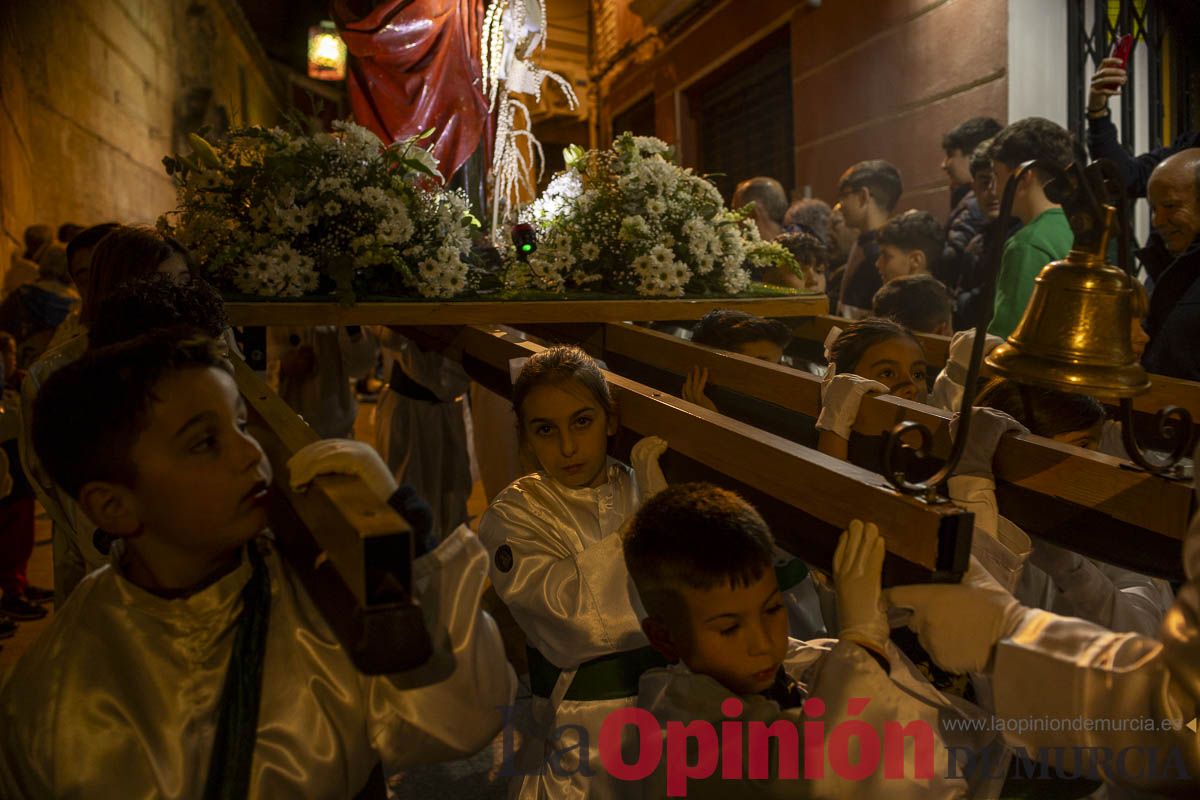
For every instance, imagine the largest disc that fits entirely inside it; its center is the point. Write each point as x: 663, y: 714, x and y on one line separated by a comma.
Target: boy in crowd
x: 700, y: 558
x: 195, y: 664
x: 867, y: 194
x: 958, y: 145
x: 737, y: 332
x: 1045, y: 235
x: 811, y: 253
x: 967, y: 214
x: 920, y: 303
x: 909, y: 244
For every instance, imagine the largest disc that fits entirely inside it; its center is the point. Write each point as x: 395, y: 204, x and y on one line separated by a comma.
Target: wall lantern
x: 326, y: 53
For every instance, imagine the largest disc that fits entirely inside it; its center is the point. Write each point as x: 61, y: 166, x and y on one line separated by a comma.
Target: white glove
x: 645, y: 457
x: 987, y: 426
x: 840, y: 398
x: 341, y: 457
x: 857, y: 572
x: 960, y: 623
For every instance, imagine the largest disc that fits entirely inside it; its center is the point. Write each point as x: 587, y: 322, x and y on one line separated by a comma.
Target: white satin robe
x: 570, y: 592
x: 1057, y: 667
x: 834, y: 671
x: 1118, y: 599
x: 119, y: 696
x: 425, y: 444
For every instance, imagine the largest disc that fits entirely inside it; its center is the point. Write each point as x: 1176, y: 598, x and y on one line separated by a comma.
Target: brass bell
x: 1075, y: 333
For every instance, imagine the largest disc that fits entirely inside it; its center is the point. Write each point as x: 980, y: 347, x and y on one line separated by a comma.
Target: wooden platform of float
x: 515, y: 312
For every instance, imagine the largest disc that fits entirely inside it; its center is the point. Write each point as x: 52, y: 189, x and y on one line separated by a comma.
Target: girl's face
x: 899, y: 364
x: 566, y: 428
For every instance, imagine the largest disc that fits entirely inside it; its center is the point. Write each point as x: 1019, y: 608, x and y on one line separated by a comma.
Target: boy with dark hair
x: 1045, y: 235
x: 970, y: 239
x: 967, y: 216
x: 738, y: 332
x: 958, y: 144
x: 145, y: 304
x: 909, y: 244
x: 920, y: 303
x: 743, y: 333
x: 700, y: 558
x: 867, y: 194
x: 811, y: 253
x: 195, y: 664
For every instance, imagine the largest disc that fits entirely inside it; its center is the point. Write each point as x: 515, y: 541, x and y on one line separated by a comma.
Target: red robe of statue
x: 415, y: 65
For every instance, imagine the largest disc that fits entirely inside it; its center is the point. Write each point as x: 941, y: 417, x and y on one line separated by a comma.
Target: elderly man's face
x: 1174, y: 209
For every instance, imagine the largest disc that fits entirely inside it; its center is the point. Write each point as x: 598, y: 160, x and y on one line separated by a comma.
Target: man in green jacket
x: 1045, y: 235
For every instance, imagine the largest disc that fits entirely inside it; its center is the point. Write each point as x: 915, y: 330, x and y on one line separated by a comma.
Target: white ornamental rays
x: 513, y: 32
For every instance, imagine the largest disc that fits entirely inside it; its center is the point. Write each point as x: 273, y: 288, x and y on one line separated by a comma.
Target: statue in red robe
x: 416, y: 66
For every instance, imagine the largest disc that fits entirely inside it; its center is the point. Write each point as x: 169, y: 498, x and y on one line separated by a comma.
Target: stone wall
x: 870, y: 79
x: 94, y: 94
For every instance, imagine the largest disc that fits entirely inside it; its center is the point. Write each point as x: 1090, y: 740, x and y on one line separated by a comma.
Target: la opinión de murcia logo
x: 634, y: 744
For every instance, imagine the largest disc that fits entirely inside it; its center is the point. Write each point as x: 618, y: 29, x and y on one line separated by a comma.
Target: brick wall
x: 886, y: 80
x: 870, y: 79
x: 93, y: 95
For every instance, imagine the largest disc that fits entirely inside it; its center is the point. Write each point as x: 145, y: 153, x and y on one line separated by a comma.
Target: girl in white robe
x: 557, y: 563
x: 1050, y: 578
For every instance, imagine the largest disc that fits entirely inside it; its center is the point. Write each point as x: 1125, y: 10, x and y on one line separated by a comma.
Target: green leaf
x: 418, y: 166
x: 204, y: 151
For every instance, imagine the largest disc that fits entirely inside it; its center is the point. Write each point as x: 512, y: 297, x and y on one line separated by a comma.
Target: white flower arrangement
x: 627, y: 220
x: 274, y: 213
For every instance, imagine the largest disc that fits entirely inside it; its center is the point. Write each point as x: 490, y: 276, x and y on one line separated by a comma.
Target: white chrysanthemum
x: 358, y: 141
x: 662, y: 256
x: 396, y: 228
x: 563, y: 189
x: 633, y: 228
x: 293, y: 220
x: 589, y: 251
x: 650, y: 145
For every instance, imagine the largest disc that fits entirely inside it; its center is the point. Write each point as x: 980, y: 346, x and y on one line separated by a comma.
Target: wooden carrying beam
x: 806, y: 496
x: 351, y: 549
x: 810, y: 336
x: 469, y: 312
x: 1088, y: 501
